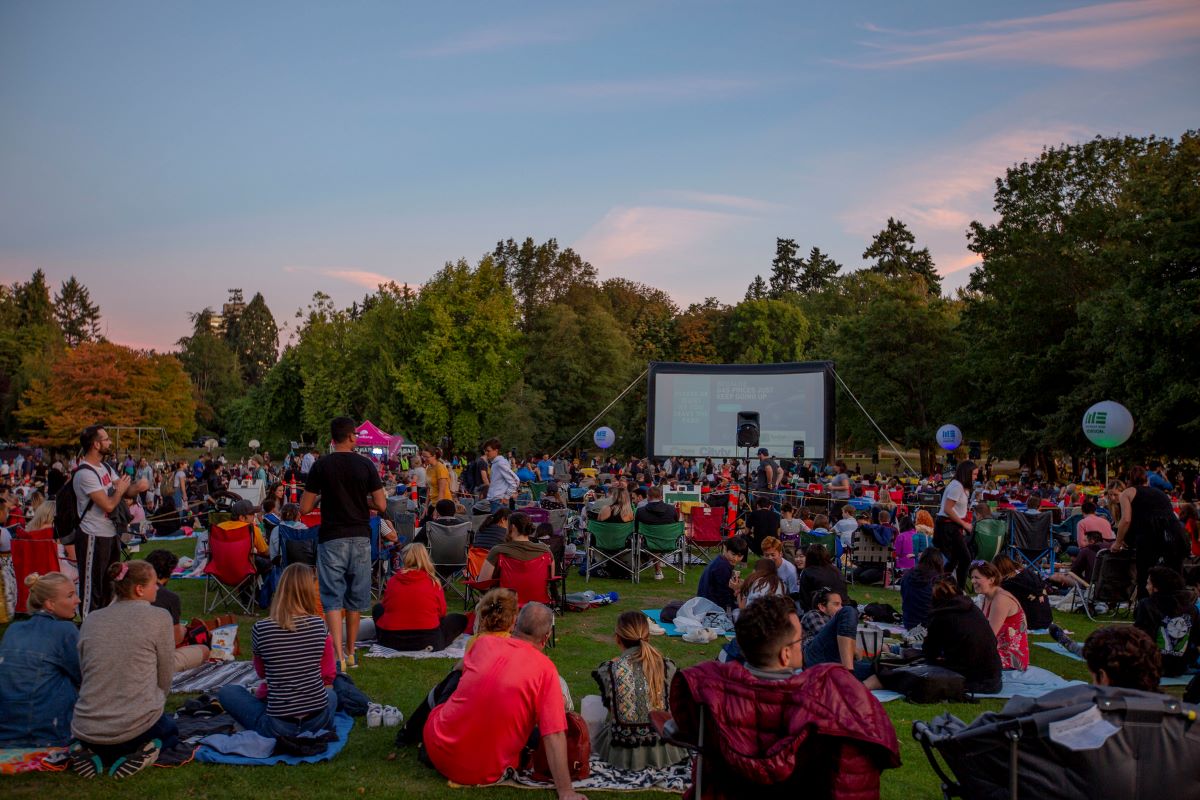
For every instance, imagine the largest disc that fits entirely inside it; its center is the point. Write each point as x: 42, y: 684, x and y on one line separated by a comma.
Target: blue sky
x: 164, y: 152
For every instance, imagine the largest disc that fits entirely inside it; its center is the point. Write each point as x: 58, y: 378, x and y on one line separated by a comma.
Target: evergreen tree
x: 255, y: 340
x: 757, y: 290
x: 785, y: 270
x: 896, y: 257
x: 77, y: 315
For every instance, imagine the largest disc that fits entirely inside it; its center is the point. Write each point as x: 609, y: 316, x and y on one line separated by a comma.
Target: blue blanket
x: 1055, y: 647
x: 1033, y: 682
x: 341, y: 723
x: 669, y: 627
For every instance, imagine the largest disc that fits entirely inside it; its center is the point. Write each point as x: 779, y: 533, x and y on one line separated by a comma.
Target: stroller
x: 1124, y: 744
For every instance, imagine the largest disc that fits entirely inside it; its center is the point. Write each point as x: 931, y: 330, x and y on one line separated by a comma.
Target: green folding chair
x: 608, y: 542
x: 989, y: 538
x: 662, y: 545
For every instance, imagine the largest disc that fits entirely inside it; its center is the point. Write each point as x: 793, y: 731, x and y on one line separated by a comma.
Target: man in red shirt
x: 508, y: 689
x: 1093, y: 522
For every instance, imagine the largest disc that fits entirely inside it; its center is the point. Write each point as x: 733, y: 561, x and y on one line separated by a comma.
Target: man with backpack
x: 96, y: 490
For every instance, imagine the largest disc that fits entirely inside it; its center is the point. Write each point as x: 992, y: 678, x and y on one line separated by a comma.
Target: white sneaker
x: 656, y: 629
x: 392, y: 717
x: 658, y: 576
x: 374, y: 715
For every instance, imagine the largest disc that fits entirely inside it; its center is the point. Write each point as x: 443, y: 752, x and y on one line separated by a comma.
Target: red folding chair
x: 312, y: 519
x: 533, y: 581
x: 229, y: 573
x: 32, y: 551
x: 705, y: 538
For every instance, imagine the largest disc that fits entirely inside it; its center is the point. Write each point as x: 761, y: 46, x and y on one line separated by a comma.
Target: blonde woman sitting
x: 631, y: 686
x: 412, y: 614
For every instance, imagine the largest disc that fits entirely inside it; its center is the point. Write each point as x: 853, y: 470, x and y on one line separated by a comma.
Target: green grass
x: 371, y: 766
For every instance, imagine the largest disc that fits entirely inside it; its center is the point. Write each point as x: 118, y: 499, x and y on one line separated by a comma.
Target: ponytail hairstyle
x: 496, y: 611
x: 633, y: 629
x: 128, y: 575
x: 295, y: 596
x: 521, y: 523
x: 497, y: 517
x: 43, y: 588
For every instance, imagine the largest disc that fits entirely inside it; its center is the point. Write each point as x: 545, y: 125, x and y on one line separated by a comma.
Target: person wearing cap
x: 245, y: 511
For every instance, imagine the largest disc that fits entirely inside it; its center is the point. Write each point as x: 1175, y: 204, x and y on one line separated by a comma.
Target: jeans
x: 823, y: 648
x: 251, y: 714
x: 344, y: 573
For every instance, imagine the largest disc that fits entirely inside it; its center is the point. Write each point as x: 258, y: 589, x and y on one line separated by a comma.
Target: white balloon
x: 604, y: 437
x: 1107, y: 424
x: 949, y: 437
x: 254, y: 444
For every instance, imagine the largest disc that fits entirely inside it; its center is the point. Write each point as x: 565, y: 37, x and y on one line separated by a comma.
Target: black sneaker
x: 83, y: 762
x: 136, y: 761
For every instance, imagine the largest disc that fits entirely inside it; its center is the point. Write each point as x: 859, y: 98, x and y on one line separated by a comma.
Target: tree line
x: 1088, y: 289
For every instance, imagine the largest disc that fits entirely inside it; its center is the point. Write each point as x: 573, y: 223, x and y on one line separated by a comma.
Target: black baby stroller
x: 1120, y: 744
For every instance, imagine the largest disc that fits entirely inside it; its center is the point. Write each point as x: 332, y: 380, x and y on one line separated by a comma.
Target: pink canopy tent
x: 369, y: 435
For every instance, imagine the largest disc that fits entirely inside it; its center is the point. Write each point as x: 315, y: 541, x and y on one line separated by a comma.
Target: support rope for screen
x: 871, y: 419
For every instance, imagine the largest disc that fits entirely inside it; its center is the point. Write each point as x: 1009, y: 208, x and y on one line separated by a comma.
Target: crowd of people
x: 504, y: 703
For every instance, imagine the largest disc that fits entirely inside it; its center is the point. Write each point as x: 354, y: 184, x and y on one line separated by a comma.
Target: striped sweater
x: 293, y: 662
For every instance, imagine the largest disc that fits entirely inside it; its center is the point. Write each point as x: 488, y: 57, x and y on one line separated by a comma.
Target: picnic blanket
x: 456, y: 649
x: 1178, y: 680
x: 1033, y: 682
x: 16, y: 760
x: 342, y: 723
x: 213, y: 675
x: 675, y: 778
x: 669, y: 627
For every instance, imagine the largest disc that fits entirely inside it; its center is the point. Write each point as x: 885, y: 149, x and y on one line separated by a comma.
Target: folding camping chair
x: 1030, y: 542
x: 704, y: 540
x: 229, y: 573
x: 664, y: 545
x: 558, y: 519
x: 868, y: 552
x: 607, y: 542
x: 989, y: 538
x: 32, y: 551
x: 534, y: 581
x: 1066, y: 533
x: 1114, y: 583
x: 297, y: 545
x: 448, y: 546
x: 400, y: 517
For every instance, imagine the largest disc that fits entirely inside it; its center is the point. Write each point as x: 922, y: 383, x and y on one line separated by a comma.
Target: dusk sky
x: 164, y: 152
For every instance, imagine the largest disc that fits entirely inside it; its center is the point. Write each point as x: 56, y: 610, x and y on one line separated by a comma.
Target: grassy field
x: 372, y: 766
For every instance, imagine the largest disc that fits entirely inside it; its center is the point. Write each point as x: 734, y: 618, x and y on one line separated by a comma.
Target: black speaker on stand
x: 798, y: 449
x: 747, y: 437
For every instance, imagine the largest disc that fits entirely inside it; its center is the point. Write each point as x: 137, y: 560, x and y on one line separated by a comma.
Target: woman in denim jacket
x: 39, y: 667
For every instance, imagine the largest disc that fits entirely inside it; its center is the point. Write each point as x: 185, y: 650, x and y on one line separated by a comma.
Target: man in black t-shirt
x: 349, y: 489
x: 761, y: 522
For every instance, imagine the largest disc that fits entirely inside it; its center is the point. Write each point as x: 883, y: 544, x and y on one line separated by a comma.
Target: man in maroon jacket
x: 757, y: 718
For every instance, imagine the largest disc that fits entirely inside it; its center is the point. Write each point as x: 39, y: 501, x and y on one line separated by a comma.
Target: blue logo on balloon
x: 604, y: 437
x: 949, y: 437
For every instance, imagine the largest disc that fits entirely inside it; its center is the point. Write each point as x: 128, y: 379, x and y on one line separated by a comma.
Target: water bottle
x: 589, y: 595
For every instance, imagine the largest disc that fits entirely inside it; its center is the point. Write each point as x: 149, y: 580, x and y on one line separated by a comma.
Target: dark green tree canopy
x: 76, y: 314
x: 895, y: 255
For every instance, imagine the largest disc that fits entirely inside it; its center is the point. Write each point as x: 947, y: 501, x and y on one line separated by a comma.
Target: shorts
x: 344, y: 572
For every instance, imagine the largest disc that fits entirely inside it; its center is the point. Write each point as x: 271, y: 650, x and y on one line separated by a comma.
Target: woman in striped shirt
x: 293, y: 651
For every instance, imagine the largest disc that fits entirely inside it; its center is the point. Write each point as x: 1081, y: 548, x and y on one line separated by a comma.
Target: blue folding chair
x: 1031, y: 540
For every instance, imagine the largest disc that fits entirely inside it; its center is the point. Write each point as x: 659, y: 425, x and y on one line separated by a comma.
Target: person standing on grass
x: 98, y: 490
x: 348, y: 486
x: 502, y: 482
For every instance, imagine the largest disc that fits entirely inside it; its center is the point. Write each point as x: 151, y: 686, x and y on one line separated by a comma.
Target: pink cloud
x: 724, y: 200
x: 359, y: 277
x: 629, y: 233
x: 1106, y: 36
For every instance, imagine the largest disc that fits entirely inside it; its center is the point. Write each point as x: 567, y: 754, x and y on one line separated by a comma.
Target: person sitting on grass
x: 495, y: 615
x: 508, y: 698
x: 412, y: 613
x: 1005, y: 617
x: 1168, y: 616
x: 294, y: 653
x: 916, y: 588
x: 715, y: 581
x: 126, y: 657
x: 764, y: 580
x: 631, y: 686
x: 960, y: 639
x: 186, y: 656
x: 1029, y: 589
x: 1124, y: 656
x: 825, y: 604
x: 819, y: 572
x: 773, y: 549
x: 519, y: 546
x: 837, y: 641
x: 903, y: 544
x: 39, y: 666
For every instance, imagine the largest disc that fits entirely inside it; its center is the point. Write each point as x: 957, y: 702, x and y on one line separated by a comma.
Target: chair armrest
x: 556, y: 579
x: 483, y: 585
